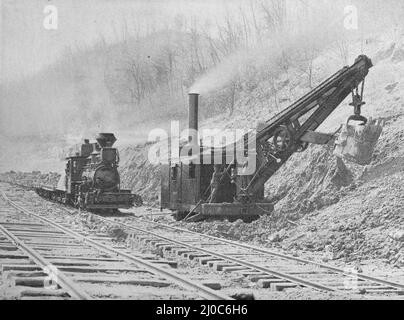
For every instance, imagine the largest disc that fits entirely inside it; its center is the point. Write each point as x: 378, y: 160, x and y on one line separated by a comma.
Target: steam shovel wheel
x: 283, y: 139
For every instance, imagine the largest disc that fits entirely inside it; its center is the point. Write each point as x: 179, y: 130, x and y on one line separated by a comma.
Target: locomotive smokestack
x: 106, y: 140
x: 193, y: 112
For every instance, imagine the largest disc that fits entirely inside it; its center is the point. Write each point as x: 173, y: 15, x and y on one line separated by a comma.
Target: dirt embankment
x: 31, y: 179
x: 139, y: 175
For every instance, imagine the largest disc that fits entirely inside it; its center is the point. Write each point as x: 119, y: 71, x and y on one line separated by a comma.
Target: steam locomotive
x: 91, y: 179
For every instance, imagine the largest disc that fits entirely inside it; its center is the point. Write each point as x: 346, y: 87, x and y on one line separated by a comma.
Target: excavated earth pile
x: 323, y: 203
x: 138, y: 174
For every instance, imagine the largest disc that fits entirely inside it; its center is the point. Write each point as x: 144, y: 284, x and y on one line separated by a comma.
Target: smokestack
x: 193, y: 111
x: 193, y: 115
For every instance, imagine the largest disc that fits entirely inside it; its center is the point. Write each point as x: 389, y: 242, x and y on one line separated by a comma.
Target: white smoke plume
x: 222, y: 74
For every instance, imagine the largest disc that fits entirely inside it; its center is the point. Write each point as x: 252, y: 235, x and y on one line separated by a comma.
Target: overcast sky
x: 26, y: 45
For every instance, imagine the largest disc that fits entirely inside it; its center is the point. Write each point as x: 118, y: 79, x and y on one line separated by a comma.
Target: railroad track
x: 42, y: 258
x: 268, y: 268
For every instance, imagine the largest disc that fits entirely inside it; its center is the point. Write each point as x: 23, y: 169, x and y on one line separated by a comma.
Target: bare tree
x: 274, y: 12
x: 343, y: 51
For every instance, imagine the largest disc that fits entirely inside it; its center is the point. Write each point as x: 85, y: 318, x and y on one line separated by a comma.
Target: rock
x: 243, y: 296
x: 398, y: 236
x: 274, y: 238
x: 312, y: 228
x: 391, y: 87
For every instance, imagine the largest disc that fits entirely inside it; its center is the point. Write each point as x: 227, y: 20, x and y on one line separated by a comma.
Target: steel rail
x: 182, y: 281
x: 61, y: 279
x: 244, y: 263
x: 396, y: 285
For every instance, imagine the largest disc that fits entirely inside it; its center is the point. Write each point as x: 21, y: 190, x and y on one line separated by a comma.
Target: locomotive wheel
x: 282, y: 139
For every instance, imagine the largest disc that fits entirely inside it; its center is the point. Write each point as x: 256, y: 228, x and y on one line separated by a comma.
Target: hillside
x: 354, y: 212
x: 245, y: 74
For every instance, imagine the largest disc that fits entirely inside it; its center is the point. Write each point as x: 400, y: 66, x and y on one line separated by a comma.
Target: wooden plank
x: 172, y: 264
x: 267, y: 283
x: 218, y: 266
x: 13, y: 274
x: 98, y: 269
x: 192, y: 256
x: 38, y: 282
x: 20, y: 267
x: 34, y: 292
x: 22, y: 224
x: 205, y: 260
x: 50, y: 257
x: 261, y: 277
x: 40, y: 235
x: 16, y: 261
x: 212, y: 285
x: 126, y: 281
x: 44, y: 298
x: 13, y: 256
x: 232, y: 269
x: 282, y: 286
x: 8, y: 248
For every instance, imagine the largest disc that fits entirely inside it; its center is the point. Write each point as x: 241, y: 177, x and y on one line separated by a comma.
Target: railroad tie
x: 41, y: 293
x: 181, y: 251
x: 20, y: 267
x: 269, y: 282
x: 126, y: 281
x: 233, y: 269
x: 218, y: 266
x: 22, y: 274
x: 282, y: 286
x: 7, y: 247
x: 212, y: 285
x: 16, y: 255
x: 192, y: 256
x: 206, y: 260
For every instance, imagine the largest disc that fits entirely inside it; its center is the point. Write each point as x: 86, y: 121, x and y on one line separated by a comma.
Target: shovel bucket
x: 357, y: 143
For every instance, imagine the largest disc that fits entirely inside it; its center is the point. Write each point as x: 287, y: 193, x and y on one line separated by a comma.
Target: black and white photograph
x: 201, y: 154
